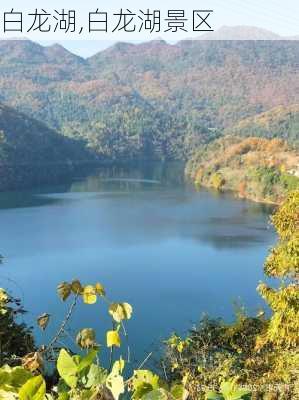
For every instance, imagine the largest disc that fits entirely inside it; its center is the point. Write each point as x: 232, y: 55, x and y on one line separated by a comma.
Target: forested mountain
x: 280, y: 122
x: 256, y: 168
x: 31, y: 152
x: 152, y: 100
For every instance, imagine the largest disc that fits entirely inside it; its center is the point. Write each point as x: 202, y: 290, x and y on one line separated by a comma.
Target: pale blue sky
x: 274, y: 15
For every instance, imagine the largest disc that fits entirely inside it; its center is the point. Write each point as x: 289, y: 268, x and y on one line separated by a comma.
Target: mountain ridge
x: 31, y: 152
x: 152, y: 100
x: 237, y: 32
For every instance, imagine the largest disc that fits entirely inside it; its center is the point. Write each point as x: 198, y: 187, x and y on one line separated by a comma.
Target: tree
x: 283, y: 263
x: 281, y: 333
x: 16, y: 338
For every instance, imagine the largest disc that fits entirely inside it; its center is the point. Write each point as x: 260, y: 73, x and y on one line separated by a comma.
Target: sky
x: 273, y: 15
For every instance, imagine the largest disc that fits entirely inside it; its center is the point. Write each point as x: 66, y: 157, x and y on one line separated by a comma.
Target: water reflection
x: 147, y: 235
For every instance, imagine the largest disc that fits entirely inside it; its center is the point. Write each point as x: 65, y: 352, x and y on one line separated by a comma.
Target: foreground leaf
x: 64, y: 290
x: 113, y: 339
x: 33, y: 389
x: 87, y: 360
x: 115, y: 383
x: 86, y: 338
x: 143, y: 382
x: 214, y: 396
x: 100, y: 289
x: 179, y: 392
x: 18, y: 376
x: 89, y: 294
x: 5, y: 395
x: 231, y: 391
x: 157, y: 394
x: 67, y: 368
x: 43, y: 321
x: 96, y: 376
x: 118, y: 366
x: 76, y: 287
x: 32, y: 361
x: 120, y: 311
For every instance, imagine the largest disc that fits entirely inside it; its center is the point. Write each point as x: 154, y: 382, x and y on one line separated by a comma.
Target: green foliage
x: 70, y: 367
x: 143, y: 382
x: 270, y: 177
x: 31, y: 152
x: 214, y: 352
x: 81, y: 376
x: 283, y: 262
x: 256, y: 351
x: 16, y: 338
x: 281, y: 122
x: 33, y: 389
x: 229, y: 391
x: 13, y: 378
x: 286, y: 220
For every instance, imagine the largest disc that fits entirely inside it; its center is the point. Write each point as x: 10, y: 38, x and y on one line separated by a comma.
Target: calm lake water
x: 148, y: 237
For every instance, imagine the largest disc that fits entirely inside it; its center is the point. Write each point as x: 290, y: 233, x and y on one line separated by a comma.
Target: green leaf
x: 239, y: 394
x: 157, y: 394
x: 11, y: 379
x: 145, y: 376
x: 144, y: 381
x: 4, y: 377
x: 33, y: 389
x: 95, y: 376
x: 19, y: 376
x: 62, y: 387
x: 179, y: 392
x: 214, y: 396
x: 63, y: 396
x: 113, y: 339
x: 87, y: 360
x: 231, y: 391
x: 85, y: 395
x: 67, y: 368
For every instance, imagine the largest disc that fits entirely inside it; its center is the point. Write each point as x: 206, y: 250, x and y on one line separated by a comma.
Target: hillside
x: 153, y: 100
x: 280, y: 122
x: 255, y: 168
x: 31, y: 152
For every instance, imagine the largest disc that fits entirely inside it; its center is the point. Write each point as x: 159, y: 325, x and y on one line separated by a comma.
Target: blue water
x: 148, y: 237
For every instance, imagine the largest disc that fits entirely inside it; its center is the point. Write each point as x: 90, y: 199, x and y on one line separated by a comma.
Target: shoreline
x: 235, y: 194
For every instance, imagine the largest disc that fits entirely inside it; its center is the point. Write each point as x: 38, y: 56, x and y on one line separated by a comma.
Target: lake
x: 150, y: 238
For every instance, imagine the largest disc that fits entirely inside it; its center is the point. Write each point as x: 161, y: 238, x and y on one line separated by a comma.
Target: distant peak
x: 123, y: 46
x: 59, y: 54
x: 240, y: 33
